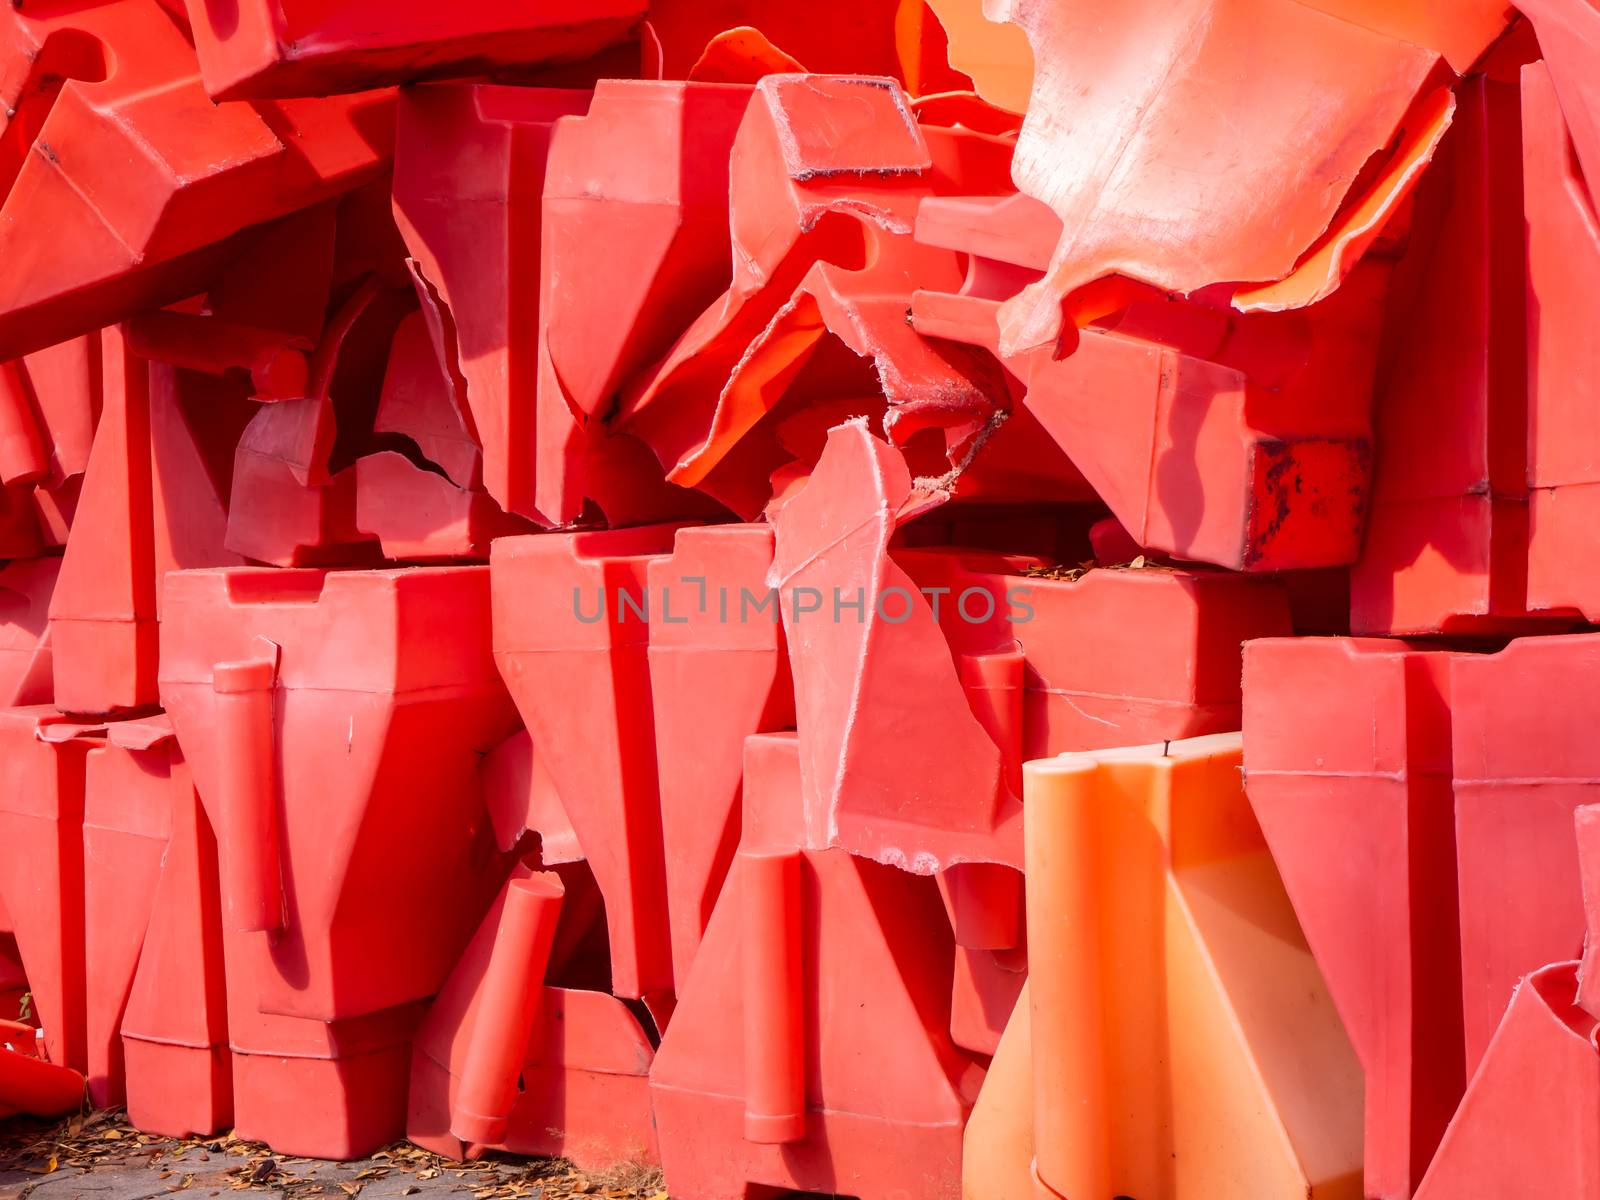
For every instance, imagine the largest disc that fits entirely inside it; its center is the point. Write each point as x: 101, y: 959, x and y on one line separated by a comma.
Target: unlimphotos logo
x: 891, y: 605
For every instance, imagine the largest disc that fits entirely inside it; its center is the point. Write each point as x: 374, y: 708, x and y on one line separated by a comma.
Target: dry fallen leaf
x: 1060, y: 572
x: 80, y: 1144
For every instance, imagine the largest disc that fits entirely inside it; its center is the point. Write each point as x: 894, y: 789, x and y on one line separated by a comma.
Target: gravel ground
x: 99, y: 1156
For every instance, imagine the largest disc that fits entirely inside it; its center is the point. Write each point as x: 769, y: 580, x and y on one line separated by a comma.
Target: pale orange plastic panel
x: 1175, y: 1038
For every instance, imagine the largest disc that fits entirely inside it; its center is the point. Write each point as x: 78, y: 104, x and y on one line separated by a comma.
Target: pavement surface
x: 98, y: 1156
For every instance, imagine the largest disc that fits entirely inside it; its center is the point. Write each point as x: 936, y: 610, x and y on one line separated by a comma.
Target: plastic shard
x: 872, y: 672
x: 1131, y: 177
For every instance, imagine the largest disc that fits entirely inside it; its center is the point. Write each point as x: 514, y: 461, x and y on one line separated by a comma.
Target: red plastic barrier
x: 246, y: 792
x: 146, y: 186
x: 314, y: 48
x: 873, y: 661
x: 277, y: 371
x: 277, y: 518
x: 1569, y: 34
x: 41, y: 874
x: 758, y: 1081
x: 522, y: 800
x: 1524, y: 758
x: 1586, y: 823
x: 1447, y: 545
x: 1233, y: 476
x: 584, y: 1069
x: 308, y: 1087
x: 831, y: 35
x: 571, y: 639
x: 263, y: 315
x: 150, y: 503
x: 372, y: 731
x: 62, y: 385
x: 823, y: 263
x: 1347, y: 766
x: 1161, y: 661
x: 628, y: 257
x: 63, y: 391
x: 717, y: 675
x: 482, y: 171
x: 21, y: 535
x: 25, y: 665
x: 22, y: 451
x: 774, y: 985
x: 1057, y: 664
x: 195, y: 422
x: 984, y: 905
x: 49, y: 402
x: 804, y: 444
x: 1537, y: 1073
x: 103, y: 610
x: 13, y: 979
x: 1237, y: 440
x: 62, y: 388
x: 288, y: 506
x: 508, y: 1006
x: 127, y: 826
x: 175, y: 1025
x: 1563, y: 248
x: 865, y: 648
x: 418, y: 515
x: 385, y: 852
x: 31, y: 1085
x: 470, y: 169
x: 423, y: 401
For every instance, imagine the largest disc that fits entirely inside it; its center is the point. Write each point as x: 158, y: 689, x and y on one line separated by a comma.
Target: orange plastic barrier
x: 1175, y: 1037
